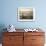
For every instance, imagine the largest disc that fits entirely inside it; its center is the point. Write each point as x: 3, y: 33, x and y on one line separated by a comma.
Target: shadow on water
x: 2, y: 29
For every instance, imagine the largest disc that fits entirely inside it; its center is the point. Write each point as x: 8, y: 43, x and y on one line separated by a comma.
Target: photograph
x: 26, y: 14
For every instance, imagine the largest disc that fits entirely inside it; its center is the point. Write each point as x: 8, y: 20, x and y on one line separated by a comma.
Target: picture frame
x: 26, y: 14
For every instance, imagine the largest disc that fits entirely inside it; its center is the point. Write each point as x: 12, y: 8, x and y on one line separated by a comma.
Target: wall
x: 8, y: 13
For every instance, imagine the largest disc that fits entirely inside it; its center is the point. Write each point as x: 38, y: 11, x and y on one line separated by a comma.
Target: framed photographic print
x: 26, y: 14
